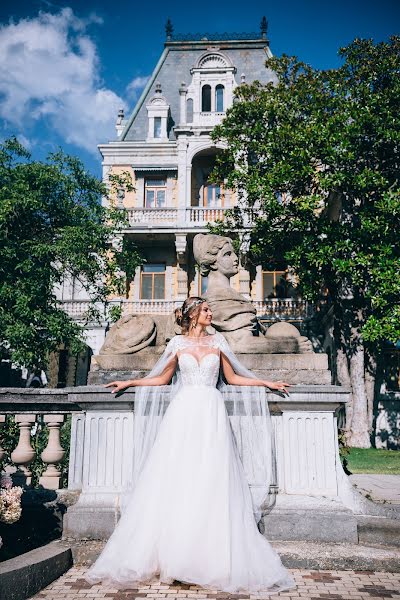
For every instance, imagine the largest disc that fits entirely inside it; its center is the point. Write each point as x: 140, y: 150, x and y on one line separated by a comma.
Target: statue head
x: 215, y: 253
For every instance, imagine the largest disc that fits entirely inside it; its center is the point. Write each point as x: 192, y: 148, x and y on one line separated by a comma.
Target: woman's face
x: 205, y: 315
x: 227, y: 262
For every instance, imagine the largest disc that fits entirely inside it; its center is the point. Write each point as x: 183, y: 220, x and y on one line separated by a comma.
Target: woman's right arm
x: 163, y: 379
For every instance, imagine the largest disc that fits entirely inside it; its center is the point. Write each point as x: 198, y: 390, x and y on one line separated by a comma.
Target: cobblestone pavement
x: 311, y: 585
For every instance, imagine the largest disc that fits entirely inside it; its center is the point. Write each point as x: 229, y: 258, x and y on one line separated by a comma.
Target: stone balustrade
x: 138, y: 216
x: 283, y: 308
x: 175, y: 218
x: 31, y: 407
x: 308, y: 474
x: 271, y: 309
x: 201, y: 216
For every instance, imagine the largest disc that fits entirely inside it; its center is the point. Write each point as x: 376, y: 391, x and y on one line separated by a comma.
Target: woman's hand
x: 119, y: 386
x: 280, y: 386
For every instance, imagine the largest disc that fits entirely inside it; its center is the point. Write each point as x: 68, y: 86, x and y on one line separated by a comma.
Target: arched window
x: 206, y: 98
x: 219, y: 98
x: 189, y: 110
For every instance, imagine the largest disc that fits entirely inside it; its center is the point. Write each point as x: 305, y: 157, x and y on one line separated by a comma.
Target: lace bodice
x: 198, y: 358
x: 199, y: 371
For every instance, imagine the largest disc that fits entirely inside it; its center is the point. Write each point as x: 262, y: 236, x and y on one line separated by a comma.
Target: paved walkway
x: 311, y: 585
x: 381, y: 488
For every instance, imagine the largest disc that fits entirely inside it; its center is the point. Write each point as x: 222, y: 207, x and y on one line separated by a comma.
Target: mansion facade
x: 166, y: 147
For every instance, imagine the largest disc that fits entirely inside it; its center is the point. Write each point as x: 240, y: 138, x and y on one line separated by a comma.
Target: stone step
x: 337, y: 557
x: 295, y: 555
x: 378, y: 530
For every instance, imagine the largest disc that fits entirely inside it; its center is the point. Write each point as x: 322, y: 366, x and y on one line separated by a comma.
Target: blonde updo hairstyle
x: 189, y: 311
x: 205, y: 250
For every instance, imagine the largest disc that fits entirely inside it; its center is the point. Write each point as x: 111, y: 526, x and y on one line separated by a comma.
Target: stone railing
x: 193, y: 216
x: 199, y: 215
x: 283, y: 308
x: 151, y: 307
x: 137, y: 216
x: 31, y: 407
x: 307, y: 472
x: 77, y: 309
x: 272, y: 309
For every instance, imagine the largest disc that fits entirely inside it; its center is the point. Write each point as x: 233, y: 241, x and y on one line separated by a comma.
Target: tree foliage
x: 316, y: 153
x: 53, y: 227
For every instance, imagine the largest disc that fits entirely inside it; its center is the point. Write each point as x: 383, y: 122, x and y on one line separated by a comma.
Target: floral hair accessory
x: 192, y: 305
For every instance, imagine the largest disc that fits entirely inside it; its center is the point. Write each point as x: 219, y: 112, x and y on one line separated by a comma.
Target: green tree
x: 52, y: 227
x: 317, y: 154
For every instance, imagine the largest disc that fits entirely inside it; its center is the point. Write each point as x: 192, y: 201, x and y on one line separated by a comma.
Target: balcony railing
x: 138, y: 216
x: 154, y: 307
x: 272, y: 309
x: 198, y: 215
x: 192, y: 216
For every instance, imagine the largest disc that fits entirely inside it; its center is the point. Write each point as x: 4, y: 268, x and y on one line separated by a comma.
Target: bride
x: 199, y: 488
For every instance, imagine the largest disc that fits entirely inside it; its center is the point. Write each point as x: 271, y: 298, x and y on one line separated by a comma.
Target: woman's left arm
x: 234, y: 379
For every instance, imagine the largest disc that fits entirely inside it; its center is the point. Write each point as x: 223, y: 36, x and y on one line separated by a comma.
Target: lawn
x: 371, y: 460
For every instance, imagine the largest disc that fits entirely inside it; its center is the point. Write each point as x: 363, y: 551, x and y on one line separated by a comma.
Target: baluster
x: 53, y: 453
x: 2, y: 420
x: 24, y: 454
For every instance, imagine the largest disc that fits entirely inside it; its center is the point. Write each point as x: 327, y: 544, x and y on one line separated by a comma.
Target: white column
x: 183, y: 94
x: 151, y: 128
x: 164, y: 133
x: 168, y: 283
x: 136, y: 285
x: 258, y: 284
x: 212, y: 98
x: 182, y: 178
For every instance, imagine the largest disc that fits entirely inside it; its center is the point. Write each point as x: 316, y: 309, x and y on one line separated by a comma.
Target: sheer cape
x: 247, y: 409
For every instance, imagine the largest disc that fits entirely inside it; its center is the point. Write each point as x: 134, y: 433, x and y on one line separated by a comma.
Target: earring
x: 194, y: 323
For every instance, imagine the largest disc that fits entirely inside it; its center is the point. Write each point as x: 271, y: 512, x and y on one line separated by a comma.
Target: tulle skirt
x: 190, y: 516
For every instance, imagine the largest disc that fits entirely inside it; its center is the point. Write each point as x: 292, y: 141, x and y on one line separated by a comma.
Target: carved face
x: 227, y: 262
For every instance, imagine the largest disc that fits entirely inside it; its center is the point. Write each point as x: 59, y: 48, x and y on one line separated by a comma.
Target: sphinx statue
x: 129, y: 334
x: 233, y: 314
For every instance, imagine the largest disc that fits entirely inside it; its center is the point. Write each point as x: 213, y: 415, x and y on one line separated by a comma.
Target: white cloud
x: 135, y: 87
x: 50, y: 70
x: 24, y: 141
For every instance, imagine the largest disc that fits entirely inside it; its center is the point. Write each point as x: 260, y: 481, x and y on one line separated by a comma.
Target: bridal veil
x: 247, y: 409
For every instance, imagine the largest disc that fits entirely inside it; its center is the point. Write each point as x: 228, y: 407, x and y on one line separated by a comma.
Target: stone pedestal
x: 309, y: 369
x: 308, y: 470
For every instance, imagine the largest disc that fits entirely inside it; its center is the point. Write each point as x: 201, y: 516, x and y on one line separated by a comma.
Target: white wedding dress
x: 190, y: 515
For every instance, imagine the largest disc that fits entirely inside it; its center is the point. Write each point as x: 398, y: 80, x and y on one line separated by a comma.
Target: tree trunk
x: 370, y: 379
x: 343, y: 378
x: 359, y: 433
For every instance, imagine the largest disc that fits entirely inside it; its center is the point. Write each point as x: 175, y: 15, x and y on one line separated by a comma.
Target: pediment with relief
x: 213, y: 60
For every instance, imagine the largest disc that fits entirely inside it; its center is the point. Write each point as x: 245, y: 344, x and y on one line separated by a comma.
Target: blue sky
x: 66, y: 67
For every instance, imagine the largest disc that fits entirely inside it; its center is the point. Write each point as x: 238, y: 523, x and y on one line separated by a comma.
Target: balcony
x: 174, y: 217
x: 191, y: 217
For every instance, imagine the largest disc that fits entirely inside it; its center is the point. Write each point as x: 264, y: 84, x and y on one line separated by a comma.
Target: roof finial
x: 169, y: 29
x: 264, y: 27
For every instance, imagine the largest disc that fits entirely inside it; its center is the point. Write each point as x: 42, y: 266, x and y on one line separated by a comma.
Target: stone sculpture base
x: 313, y: 501
x: 309, y: 369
